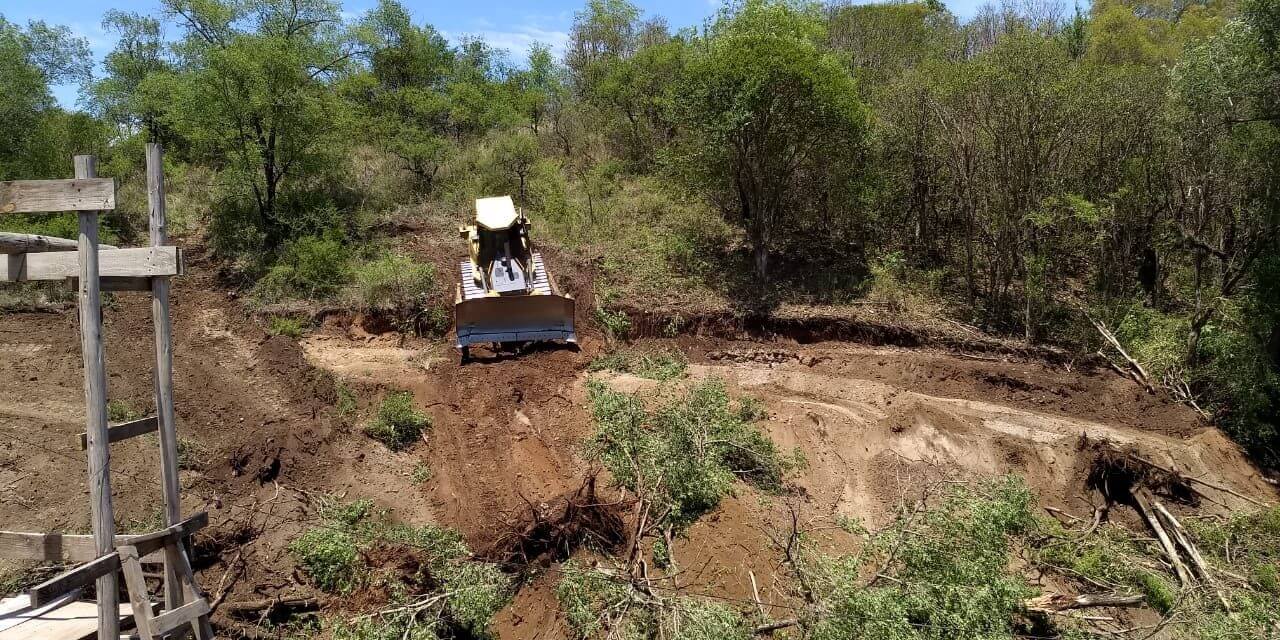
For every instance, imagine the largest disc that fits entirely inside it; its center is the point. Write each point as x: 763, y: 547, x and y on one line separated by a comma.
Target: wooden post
x: 95, y: 395
x: 173, y: 597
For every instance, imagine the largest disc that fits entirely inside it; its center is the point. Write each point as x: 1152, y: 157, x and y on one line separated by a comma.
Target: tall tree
x: 761, y: 106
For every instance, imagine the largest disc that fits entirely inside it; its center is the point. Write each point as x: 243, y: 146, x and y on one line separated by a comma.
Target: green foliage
x: 761, y: 84
x: 422, y: 473
x: 404, y: 290
x: 616, y: 322
x: 686, y: 453
x: 191, y: 454
x: 288, y: 326
x: 398, y: 424
x: 948, y: 568
x: 468, y: 592
x: 310, y: 268
x: 595, y: 603
x: 660, y: 365
x: 330, y: 558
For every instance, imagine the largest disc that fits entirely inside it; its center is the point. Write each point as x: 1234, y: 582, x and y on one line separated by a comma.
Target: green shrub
x: 660, y: 365
x: 330, y: 557
x: 405, y: 289
x: 311, y: 268
x: 616, y: 323
x: 469, y: 592
x: 287, y: 326
x: 947, y: 571
x: 421, y: 473
x: 585, y: 594
x: 1160, y: 593
x: 686, y: 453
x: 398, y: 424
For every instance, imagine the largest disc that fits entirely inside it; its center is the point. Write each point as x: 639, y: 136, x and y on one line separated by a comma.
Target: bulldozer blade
x: 515, y: 319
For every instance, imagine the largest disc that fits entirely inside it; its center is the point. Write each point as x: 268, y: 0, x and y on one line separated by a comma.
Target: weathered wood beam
x: 11, y: 243
x: 75, y: 578
x: 116, y: 283
x: 51, y: 196
x: 57, y: 547
x: 149, y: 542
x: 124, y: 430
x: 88, y: 267
x: 129, y: 263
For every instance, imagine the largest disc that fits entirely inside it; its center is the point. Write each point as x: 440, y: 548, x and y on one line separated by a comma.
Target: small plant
x: 661, y: 554
x: 422, y: 473
x: 398, y: 424
x: 616, y: 322
x: 404, y: 289
x: 191, y: 454
x: 287, y: 326
x: 122, y: 411
x: 330, y: 558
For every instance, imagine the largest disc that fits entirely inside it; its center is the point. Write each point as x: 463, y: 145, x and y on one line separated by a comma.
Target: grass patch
x: 287, y: 326
x: 398, y: 423
x: 422, y: 473
x: 191, y: 454
x: 660, y: 365
x: 453, y: 595
x: 684, y: 454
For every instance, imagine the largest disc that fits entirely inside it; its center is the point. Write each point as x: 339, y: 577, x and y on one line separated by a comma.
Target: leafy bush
x: 947, y: 567
x: 398, y: 424
x: 402, y: 288
x: 330, y: 557
x: 312, y: 267
x: 686, y: 453
x: 658, y: 365
x: 584, y: 594
x: 465, y: 593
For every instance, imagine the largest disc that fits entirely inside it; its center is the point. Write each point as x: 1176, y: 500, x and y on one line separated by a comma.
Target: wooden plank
x: 62, y: 620
x: 18, y: 610
x: 57, y: 547
x: 150, y: 542
x: 184, y: 615
x: 41, y: 196
x: 203, y: 630
x: 11, y: 243
x: 124, y: 430
x: 138, y: 595
x: 75, y: 578
x: 95, y: 400
x: 115, y: 283
x: 158, y: 231
x: 135, y: 263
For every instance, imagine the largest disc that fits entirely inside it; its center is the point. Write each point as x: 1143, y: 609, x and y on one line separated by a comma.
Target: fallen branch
x: 1054, y: 602
x: 1139, y: 372
x: 268, y: 604
x: 774, y: 626
x: 1140, y: 498
x: 1184, y: 540
x: 1196, y: 480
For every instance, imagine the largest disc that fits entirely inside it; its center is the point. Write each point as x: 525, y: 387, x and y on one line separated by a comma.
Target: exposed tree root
x: 551, y: 531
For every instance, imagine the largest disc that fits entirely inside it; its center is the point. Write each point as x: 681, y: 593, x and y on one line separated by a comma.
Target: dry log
x: 1053, y: 602
x: 1196, y: 480
x: 1142, y: 499
x: 774, y: 626
x: 267, y: 604
x: 1184, y: 540
x: 1139, y: 372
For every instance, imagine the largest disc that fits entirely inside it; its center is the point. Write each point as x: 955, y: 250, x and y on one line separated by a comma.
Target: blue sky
x: 508, y: 24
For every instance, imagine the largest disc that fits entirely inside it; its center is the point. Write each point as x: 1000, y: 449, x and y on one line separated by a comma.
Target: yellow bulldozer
x: 506, y: 295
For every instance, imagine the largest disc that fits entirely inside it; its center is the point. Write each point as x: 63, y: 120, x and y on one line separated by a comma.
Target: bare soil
x: 873, y: 422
